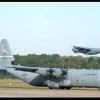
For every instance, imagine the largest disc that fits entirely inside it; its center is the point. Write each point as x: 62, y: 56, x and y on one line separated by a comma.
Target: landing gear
x: 67, y: 88
x: 51, y: 88
x: 62, y: 87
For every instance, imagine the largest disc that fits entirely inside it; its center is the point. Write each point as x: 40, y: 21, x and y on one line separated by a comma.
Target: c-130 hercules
x: 57, y: 78
x: 85, y: 50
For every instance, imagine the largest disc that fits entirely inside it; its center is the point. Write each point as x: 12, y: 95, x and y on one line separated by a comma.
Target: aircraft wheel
x: 68, y: 88
x: 62, y: 87
x: 51, y: 88
x: 57, y: 88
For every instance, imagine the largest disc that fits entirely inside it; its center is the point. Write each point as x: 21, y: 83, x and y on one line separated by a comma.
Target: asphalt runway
x: 38, y: 92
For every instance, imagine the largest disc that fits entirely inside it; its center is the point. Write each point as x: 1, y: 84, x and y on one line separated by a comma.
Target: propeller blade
x: 64, y: 70
x: 50, y: 72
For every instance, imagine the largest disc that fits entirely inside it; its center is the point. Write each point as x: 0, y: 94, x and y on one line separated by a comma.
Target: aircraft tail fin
x: 6, y: 56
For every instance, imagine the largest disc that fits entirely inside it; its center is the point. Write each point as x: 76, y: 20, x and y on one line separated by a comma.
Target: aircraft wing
x: 42, y: 71
x: 21, y: 68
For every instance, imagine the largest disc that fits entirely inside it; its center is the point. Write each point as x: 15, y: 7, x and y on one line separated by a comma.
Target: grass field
x: 16, y: 83
x: 21, y: 84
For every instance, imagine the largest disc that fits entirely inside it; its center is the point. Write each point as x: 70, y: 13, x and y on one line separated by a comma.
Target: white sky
x: 50, y: 27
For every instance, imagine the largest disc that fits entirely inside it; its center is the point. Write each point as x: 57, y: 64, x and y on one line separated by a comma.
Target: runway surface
x: 37, y: 92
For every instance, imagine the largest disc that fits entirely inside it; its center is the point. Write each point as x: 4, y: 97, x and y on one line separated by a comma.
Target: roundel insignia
x: 24, y: 75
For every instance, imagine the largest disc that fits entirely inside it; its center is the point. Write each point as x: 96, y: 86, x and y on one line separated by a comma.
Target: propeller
x: 64, y: 71
x: 50, y: 71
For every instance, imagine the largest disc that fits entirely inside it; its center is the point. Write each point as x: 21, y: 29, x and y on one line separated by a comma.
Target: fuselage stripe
x: 6, y: 56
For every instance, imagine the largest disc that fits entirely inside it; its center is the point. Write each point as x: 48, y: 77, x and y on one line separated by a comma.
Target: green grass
x: 16, y: 83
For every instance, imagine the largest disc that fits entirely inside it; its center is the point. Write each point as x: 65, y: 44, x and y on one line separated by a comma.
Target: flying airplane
x: 53, y: 78
x: 85, y: 50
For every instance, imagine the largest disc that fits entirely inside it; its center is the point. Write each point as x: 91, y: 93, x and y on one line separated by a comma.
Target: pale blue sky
x: 50, y: 27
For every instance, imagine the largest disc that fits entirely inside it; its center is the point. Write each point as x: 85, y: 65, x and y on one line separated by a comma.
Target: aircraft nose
x: 73, y: 50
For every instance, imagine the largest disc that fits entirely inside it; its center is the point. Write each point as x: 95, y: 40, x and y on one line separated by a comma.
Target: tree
x: 98, y: 60
x: 90, y: 59
x: 66, y: 60
x: 84, y: 64
x: 94, y: 65
x: 55, y: 56
x: 58, y: 60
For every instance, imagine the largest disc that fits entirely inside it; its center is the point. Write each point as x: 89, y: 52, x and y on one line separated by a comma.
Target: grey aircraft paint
x: 60, y: 78
x: 85, y: 50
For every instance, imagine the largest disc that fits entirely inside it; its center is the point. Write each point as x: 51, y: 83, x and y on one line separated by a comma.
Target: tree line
x: 56, y: 61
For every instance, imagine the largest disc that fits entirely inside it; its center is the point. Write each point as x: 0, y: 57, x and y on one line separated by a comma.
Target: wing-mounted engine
x: 64, y: 71
x: 52, y: 72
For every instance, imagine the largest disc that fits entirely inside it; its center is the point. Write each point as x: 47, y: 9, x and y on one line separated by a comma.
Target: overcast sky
x: 50, y: 27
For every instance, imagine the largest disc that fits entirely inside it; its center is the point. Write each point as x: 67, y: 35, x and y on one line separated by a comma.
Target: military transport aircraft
x: 58, y: 78
x: 85, y: 50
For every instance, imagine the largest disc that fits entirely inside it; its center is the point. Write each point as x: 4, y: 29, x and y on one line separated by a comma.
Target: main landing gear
x: 67, y: 88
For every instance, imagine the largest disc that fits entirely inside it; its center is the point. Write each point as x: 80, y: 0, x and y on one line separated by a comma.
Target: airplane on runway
x: 85, y: 50
x: 58, y: 78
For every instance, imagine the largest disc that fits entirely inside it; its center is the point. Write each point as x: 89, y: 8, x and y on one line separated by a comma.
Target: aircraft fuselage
x: 92, y: 51
x: 74, y: 78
